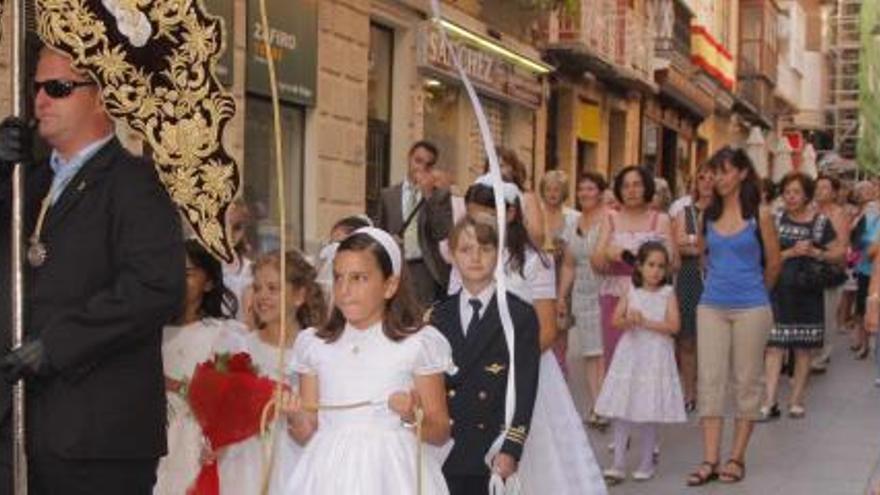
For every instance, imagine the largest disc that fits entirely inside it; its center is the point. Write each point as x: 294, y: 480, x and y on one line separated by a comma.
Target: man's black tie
x: 475, y: 317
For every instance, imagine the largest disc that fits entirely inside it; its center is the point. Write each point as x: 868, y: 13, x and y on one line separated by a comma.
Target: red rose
x: 240, y: 363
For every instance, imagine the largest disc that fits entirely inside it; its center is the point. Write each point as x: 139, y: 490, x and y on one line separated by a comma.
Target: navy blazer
x: 476, y: 393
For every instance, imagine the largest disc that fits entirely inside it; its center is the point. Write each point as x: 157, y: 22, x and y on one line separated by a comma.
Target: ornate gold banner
x: 155, y: 63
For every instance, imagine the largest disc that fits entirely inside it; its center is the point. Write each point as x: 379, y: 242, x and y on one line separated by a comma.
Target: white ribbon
x: 501, y: 217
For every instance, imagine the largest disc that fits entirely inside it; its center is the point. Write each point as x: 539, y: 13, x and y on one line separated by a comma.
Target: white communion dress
x: 241, y: 465
x: 642, y: 384
x: 557, y: 457
x: 183, y: 348
x: 367, y: 450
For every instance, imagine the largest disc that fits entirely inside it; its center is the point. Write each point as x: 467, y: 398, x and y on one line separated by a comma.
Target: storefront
x: 669, y: 138
x: 293, y: 41
x: 511, y: 91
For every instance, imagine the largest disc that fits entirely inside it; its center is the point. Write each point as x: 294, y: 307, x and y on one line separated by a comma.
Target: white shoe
x: 613, y: 476
x: 643, y: 475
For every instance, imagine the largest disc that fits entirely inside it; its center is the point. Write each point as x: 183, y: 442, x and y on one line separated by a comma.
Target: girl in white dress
x: 205, y: 328
x: 238, y: 275
x: 557, y: 457
x: 642, y: 387
x: 361, y: 377
x: 242, y: 465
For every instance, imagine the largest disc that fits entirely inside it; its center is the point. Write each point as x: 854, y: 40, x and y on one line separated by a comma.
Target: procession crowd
x: 452, y: 344
x: 632, y: 310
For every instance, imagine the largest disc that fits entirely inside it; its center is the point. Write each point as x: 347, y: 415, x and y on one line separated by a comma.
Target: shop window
x: 441, y: 122
x: 496, y: 115
x: 616, y: 140
x: 586, y: 158
x: 378, y: 114
x: 651, y: 144
x: 260, y: 177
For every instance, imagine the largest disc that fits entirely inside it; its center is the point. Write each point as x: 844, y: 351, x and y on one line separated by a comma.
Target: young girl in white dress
x: 360, y: 378
x: 238, y: 275
x: 205, y: 328
x: 242, y: 465
x: 642, y: 387
x: 557, y: 457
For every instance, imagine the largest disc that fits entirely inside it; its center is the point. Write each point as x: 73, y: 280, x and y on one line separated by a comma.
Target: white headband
x: 388, y: 243
x: 510, y: 190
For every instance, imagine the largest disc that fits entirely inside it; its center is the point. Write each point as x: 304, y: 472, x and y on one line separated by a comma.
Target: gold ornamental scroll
x: 155, y: 62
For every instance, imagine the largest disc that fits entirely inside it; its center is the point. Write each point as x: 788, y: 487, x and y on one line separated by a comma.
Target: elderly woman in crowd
x: 865, y: 233
x: 579, y: 290
x: 828, y: 189
x: 558, y: 218
x: 662, y: 196
x: 807, y: 239
x: 621, y: 235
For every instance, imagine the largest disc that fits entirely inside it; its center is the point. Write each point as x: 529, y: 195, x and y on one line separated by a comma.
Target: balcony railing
x: 592, y: 27
x: 617, y: 35
x: 755, y: 90
x: 635, y: 47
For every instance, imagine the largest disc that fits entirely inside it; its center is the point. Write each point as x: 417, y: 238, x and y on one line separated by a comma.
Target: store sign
x: 224, y: 9
x: 490, y: 73
x: 293, y: 45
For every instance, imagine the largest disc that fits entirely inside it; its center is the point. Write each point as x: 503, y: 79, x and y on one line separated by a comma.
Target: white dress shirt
x: 410, y: 197
x: 464, y: 305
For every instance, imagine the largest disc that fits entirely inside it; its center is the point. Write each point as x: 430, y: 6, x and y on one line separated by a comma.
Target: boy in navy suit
x: 476, y: 393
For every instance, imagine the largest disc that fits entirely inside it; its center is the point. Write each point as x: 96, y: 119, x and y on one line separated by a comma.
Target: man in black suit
x: 105, y: 272
x: 421, y: 215
x: 476, y: 394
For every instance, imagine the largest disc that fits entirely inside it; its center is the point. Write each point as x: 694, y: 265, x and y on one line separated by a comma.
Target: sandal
x: 797, y: 412
x: 703, y: 476
x: 729, y: 477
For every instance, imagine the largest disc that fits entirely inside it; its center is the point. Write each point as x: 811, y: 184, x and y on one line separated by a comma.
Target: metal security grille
x: 497, y: 115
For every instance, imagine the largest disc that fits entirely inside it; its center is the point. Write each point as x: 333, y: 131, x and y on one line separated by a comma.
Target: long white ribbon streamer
x: 501, y: 219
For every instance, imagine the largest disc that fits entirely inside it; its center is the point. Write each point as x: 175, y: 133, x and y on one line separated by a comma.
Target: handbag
x: 810, y: 273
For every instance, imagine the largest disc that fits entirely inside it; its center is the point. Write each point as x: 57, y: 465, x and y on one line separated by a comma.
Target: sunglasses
x: 59, y: 88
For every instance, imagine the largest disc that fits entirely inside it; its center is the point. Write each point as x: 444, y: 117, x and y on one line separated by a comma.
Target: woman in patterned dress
x: 689, y: 282
x: 578, y: 280
x: 799, y: 311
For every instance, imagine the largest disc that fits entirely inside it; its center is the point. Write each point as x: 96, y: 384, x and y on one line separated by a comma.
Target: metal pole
x: 19, y: 461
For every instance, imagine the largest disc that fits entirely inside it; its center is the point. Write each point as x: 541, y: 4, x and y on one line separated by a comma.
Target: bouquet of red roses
x: 227, y: 396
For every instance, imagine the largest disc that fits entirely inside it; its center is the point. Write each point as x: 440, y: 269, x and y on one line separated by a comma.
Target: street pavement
x: 834, y: 450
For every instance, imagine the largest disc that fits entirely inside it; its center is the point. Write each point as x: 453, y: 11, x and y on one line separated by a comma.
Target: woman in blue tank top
x: 734, y: 318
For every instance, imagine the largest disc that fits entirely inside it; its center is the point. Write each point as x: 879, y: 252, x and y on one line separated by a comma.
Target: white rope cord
x: 501, y: 219
x: 269, y: 460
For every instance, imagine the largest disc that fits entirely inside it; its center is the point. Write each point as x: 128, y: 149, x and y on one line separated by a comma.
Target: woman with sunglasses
x: 689, y: 280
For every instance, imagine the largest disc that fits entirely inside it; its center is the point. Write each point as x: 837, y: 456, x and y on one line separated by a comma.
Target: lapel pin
x: 495, y: 368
